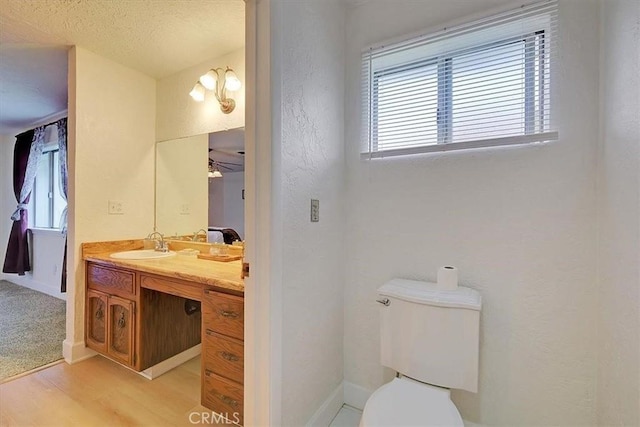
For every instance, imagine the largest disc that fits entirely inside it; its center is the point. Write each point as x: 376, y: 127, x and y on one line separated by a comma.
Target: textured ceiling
x: 156, y: 37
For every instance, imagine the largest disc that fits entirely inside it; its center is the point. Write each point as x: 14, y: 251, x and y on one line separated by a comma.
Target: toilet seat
x: 406, y: 402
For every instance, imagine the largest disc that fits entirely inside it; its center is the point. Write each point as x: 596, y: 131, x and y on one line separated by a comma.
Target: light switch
x: 315, y: 210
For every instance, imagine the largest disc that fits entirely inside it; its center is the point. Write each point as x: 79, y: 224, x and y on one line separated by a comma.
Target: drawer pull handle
x: 121, y: 321
x: 228, y: 400
x: 229, y: 314
x: 229, y: 356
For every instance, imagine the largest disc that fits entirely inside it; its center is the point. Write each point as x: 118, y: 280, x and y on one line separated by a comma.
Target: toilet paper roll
x: 448, y: 278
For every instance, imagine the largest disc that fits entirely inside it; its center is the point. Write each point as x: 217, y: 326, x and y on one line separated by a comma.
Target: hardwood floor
x: 99, y: 392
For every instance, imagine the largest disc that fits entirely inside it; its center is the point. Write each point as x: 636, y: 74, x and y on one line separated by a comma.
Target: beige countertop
x: 226, y: 275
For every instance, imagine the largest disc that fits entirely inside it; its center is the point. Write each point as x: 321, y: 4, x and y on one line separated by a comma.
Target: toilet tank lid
x: 429, y: 294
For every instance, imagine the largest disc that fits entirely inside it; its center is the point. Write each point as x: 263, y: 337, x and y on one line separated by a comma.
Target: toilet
x: 430, y: 337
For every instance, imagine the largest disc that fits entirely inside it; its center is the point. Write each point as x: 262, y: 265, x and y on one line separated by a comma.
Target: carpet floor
x: 32, y: 328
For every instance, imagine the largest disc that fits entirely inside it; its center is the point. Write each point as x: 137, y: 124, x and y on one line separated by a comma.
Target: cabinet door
x: 97, y: 321
x: 121, y: 330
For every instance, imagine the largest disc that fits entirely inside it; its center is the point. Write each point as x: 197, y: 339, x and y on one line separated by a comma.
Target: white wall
x: 311, y: 89
x: 182, y: 195
x: 519, y: 223
x: 47, y: 252
x: 178, y: 115
x: 111, y: 133
x: 226, y: 206
x: 619, y: 216
x: 216, y: 202
x: 233, y: 202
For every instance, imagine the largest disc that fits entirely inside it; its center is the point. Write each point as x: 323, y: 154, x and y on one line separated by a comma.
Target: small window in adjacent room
x: 487, y: 83
x: 47, y: 203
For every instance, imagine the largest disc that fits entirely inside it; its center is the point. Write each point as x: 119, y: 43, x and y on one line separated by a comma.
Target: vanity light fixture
x: 197, y: 93
x: 218, y: 81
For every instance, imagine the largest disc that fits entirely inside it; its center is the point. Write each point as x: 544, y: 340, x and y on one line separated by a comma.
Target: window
x: 47, y: 203
x: 482, y: 84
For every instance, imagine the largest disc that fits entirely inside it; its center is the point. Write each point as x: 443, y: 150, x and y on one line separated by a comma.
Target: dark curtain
x: 62, y: 144
x: 17, y: 257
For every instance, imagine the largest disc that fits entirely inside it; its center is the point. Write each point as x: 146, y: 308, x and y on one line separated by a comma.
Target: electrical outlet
x: 315, y: 210
x: 185, y: 209
x: 116, y: 207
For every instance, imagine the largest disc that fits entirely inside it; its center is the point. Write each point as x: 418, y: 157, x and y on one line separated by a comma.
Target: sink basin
x: 142, y: 254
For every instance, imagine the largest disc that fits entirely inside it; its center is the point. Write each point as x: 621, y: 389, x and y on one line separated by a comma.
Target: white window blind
x: 485, y: 83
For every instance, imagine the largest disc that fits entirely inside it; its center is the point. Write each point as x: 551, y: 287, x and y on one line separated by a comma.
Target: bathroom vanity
x: 143, y: 313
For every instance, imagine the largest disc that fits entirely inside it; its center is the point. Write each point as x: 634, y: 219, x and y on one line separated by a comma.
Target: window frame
x: 444, y: 122
x: 429, y: 125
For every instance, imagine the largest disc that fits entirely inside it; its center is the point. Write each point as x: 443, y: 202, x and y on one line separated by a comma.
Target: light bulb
x: 197, y: 93
x: 209, y: 80
x: 231, y: 80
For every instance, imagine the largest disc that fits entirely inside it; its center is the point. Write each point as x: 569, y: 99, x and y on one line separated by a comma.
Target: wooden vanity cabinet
x: 140, y: 319
x: 137, y: 318
x: 110, y: 313
x: 223, y: 354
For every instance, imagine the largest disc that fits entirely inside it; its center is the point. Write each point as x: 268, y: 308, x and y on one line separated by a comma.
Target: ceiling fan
x: 215, y: 166
x: 224, y: 165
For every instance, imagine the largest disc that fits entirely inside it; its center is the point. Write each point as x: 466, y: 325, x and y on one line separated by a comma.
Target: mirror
x: 190, y: 196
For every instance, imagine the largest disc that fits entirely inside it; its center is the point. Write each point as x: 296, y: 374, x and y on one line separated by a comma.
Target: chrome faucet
x: 160, y: 245
x: 197, y: 233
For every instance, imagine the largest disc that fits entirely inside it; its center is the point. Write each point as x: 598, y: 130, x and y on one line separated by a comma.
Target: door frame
x: 263, y: 224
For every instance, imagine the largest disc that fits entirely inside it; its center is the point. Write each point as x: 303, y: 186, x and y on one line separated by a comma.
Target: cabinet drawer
x: 223, y: 355
x: 223, y: 313
x: 223, y: 396
x: 184, y: 289
x: 114, y: 282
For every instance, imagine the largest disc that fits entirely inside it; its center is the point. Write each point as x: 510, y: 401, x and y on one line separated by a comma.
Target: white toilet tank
x: 431, y: 335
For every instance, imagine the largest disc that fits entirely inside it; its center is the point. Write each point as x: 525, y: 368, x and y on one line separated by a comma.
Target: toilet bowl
x: 407, y: 402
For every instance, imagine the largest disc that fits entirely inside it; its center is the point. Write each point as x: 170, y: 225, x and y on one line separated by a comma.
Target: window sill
x: 46, y: 231
x: 453, y: 146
